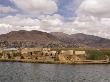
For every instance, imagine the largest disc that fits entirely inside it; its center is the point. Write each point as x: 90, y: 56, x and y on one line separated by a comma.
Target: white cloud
x: 92, y: 18
x: 93, y: 26
x: 19, y: 20
x: 5, y: 28
x: 44, y: 23
x: 98, y: 8
x: 4, y: 9
x: 56, y: 23
x: 36, y: 6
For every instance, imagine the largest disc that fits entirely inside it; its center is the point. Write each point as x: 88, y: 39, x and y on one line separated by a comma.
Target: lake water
x: 28, y: 72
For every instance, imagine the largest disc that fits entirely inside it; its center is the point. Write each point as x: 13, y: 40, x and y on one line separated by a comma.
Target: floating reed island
x: 55, y: 56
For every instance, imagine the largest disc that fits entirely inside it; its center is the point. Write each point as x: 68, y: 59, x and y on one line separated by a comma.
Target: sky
x: 69, y: 16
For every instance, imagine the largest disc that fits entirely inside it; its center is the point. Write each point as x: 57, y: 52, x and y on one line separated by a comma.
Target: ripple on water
x: 27, y: 72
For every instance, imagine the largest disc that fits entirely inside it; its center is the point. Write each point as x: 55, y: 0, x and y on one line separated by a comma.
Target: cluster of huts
x: 45, y: 54
x: 72, y: 56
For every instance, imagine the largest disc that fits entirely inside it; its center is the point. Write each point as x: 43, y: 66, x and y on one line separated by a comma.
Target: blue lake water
x: 29, y: 72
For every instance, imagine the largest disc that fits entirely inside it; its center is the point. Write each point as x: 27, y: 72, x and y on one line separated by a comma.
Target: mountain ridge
x: 36, y: 38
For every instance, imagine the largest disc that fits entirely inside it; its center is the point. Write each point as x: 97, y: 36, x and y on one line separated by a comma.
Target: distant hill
x: 90, y: 40
x: 36, y: 38
x: 32, y: 38
x: 81, y: 40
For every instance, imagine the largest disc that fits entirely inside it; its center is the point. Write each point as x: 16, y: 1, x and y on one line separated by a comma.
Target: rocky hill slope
x: 36, y: 38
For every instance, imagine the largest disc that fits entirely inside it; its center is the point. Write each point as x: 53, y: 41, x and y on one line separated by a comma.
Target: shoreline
x: 51, y: 62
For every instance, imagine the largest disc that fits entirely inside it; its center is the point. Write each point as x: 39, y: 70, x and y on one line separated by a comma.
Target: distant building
x: 46, y: 49
x: 10, y: 49
x: 27, y: 50
x: 5, y: 56
x: 80, y: 52
x: 10, y: 53
x: 67, y: 52
x: 66, y: 55
x: 80, y: 55
x: 53, y: 53
x: 26, y: 56
x: 1, y: 50
x: 72, y: 56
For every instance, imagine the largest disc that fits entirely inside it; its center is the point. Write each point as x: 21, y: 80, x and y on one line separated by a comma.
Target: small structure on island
x: 46, y: 49
x: 53, y: 53
x: 66, y: 55
x: 72, y: 56
x: 10, y: 53
x: 80, y: 52
x: 38, y: 53
x: 29, y: 50
x: 48, y: 55
x: 1, y: 52
x: 80, y: 55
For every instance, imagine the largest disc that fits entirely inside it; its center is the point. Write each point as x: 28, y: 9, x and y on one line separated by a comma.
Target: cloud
x: 98, y: 8
x: 91, y: 25
x: 92, y: 18
x: 51, y: 23
x: 6, y: 10
x: 44, y: 23
x: 55, y: 23
x: 36, y: 6
x: 47, y: 23
x: 5, y: 28
x: 19, y: 20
